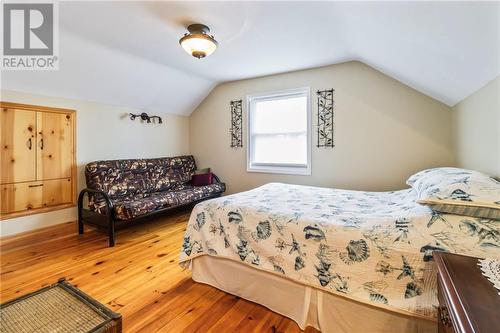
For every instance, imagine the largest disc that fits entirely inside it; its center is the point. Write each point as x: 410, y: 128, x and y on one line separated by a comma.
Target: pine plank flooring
x: 139, y: 278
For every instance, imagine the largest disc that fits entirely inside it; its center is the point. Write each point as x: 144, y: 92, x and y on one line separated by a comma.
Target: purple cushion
x: 202, y: 179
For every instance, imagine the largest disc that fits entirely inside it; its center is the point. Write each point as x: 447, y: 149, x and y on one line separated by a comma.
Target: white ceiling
x: 127, y: 53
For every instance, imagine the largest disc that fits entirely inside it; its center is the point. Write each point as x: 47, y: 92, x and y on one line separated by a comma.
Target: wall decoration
x: 144, y: 116
x: 236, y: 124
x: 325, y: 118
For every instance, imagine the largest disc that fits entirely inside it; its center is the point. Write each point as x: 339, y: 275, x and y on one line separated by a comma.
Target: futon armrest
x: 215, y: 179
x: 107, y: 200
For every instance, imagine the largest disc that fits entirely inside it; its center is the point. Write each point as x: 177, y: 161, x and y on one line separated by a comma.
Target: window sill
x: 285, y: 170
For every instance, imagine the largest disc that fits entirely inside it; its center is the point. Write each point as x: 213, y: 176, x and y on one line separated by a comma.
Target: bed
x: 333, y: 259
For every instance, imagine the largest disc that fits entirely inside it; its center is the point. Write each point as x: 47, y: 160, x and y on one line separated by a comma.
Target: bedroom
x: 250, y: 166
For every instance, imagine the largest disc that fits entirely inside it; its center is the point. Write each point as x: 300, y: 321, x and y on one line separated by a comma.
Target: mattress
x: 372, y: 247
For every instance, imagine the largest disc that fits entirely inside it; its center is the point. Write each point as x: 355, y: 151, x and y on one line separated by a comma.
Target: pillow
x: 458, y: 191
x: 202, y: 179
x: 444, y: 172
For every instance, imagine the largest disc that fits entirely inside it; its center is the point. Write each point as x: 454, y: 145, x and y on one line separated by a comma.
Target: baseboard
x: 41, y: 235
x: 18, y: 225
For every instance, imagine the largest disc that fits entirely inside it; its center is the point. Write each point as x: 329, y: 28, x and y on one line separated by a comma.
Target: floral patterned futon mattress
x: 373, y: 247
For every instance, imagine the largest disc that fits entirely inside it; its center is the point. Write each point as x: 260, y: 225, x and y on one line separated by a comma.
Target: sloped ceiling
x: 127, y: 53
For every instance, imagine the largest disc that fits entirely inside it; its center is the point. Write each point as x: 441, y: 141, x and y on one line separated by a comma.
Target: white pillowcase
x: 458, y: 191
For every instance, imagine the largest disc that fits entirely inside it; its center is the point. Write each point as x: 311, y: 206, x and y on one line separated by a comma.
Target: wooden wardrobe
x: 37, y: 159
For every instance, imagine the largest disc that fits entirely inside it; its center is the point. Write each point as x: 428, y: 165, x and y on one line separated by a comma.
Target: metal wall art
x: 144, y: 116
x: 236, y: 124
x: 325, y: 118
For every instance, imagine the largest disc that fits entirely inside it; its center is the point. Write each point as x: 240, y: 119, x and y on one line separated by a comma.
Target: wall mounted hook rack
x: 144, y: 116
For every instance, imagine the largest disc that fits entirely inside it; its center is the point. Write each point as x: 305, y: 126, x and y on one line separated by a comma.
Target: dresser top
x: 474, y: 301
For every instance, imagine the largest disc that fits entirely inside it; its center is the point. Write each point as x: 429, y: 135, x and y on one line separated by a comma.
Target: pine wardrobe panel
x: 18, y: 152
x: 37, y: 159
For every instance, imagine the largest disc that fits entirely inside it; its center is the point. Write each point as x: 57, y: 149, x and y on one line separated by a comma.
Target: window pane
x: 279, y: 131
x: 280, y: 115
x: 281, y: 148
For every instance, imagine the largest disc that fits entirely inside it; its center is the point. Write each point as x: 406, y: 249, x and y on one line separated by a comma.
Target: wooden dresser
x: 468, y: 302
x: 37, y: 159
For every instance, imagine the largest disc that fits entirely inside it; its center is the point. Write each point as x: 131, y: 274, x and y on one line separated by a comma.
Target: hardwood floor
x: 139, y: 278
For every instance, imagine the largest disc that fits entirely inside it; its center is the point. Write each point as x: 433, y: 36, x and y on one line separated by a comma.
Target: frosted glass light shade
x: 198, y: 45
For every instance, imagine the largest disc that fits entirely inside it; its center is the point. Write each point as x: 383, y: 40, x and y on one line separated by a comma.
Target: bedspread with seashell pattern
x: 373, y: 247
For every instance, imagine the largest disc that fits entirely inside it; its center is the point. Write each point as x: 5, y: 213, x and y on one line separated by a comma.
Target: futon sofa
x: 120, y: 191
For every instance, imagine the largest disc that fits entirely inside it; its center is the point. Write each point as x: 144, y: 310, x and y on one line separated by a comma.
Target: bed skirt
x: 305, y: 305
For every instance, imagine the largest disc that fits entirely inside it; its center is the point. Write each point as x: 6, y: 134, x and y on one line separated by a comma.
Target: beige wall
x: 477, y: 130
x: 384, y: 130
x: 103, y: 132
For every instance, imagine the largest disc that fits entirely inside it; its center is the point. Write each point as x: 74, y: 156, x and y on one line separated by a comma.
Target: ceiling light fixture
x: 198, y: 42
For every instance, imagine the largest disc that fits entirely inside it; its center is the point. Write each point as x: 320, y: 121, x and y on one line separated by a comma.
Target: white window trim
x: 279, y: 168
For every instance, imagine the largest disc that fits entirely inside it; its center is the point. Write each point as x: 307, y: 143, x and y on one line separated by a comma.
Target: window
x: 279, y: 138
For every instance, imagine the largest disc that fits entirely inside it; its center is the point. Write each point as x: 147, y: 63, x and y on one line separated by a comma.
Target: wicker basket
x: 58, y: 308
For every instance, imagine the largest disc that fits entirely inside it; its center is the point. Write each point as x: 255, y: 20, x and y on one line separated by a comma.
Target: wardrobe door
x: 17, y: 139
x: 56, y: 192
x: 32, y: 195
x: 20, y: 197
x: 54, y: 145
